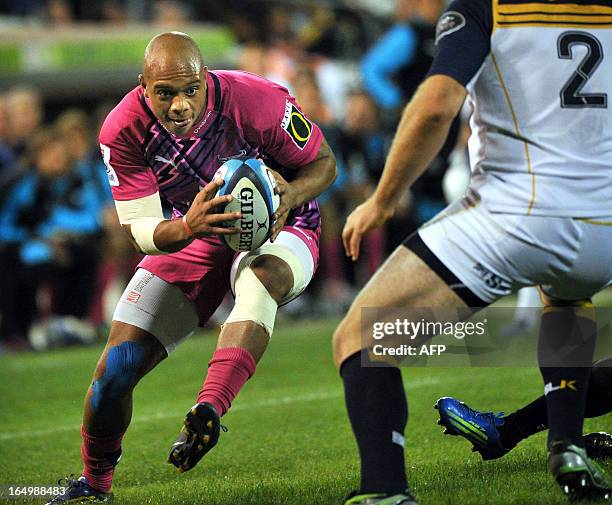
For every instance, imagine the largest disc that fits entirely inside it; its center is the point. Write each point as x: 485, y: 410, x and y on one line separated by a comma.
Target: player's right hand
x: 203, y: 217
x: 365, y: 217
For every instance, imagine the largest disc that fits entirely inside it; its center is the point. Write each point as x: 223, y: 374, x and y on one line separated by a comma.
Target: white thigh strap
x: 253, y: 302
x: 292, y: 251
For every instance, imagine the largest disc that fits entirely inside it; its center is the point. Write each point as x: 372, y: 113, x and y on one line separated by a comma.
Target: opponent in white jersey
x: 538, y: 212
x: 541, y: 141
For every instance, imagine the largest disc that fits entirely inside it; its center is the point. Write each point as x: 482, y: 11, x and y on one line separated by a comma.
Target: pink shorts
x: 203, y: 269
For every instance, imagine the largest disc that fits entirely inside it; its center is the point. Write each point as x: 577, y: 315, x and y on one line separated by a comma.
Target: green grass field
x: 289, y: 441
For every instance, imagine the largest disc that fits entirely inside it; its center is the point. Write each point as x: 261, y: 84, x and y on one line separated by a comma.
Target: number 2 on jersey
x: 571, y: 97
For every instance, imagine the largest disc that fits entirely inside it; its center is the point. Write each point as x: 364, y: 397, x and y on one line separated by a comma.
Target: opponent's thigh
x: 404, y: 280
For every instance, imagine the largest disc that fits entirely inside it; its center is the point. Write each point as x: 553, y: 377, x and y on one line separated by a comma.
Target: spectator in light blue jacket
x: 395, y: 66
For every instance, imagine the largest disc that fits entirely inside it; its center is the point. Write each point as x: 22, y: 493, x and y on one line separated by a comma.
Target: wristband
x: 187, y: 227
x: 142, y: 231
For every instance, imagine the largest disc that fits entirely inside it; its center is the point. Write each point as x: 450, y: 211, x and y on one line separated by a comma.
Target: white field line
x: 269, y: 402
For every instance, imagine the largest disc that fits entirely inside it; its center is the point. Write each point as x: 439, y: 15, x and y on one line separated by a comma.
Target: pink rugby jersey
x: 245, y: 115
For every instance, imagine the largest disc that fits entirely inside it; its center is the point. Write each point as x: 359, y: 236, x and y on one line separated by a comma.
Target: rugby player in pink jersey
x: 165, y: 140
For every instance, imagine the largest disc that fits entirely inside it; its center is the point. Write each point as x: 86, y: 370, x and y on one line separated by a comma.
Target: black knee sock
x: 565, y: 353
x: 599, y: 396
x: 526, y: 421
x: 377, y: 409
x: 533, y: 418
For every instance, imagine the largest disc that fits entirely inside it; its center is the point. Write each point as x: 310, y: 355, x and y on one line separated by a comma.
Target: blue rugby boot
x: 579, y: 477
x: 357, y: 498
x: 479, y: 428
x: 79, y: 491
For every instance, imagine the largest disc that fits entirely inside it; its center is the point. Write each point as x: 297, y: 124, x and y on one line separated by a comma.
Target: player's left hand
x: 288, y: 201
x: 367, y: 216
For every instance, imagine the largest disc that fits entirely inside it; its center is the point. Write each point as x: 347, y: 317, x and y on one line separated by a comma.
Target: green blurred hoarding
x: 97, y: 49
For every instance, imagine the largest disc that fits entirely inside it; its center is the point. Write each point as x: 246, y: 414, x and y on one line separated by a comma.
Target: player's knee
x: 346, y: 340
x: 254, y: 302
x: 337, y: 343
x: 274, y: 274
x: 122, y: 370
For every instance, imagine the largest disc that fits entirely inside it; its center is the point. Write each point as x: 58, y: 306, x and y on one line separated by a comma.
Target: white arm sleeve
x: 143, y: 215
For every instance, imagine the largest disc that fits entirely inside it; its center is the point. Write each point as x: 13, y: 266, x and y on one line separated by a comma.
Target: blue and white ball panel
x: 264, y: 174
x: 252, y: 186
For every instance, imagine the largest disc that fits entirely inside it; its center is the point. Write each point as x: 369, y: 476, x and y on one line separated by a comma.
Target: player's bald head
x: 174, y: 81
x: 172, y: 52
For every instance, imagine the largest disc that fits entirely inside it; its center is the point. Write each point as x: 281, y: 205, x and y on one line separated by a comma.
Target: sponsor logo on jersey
x: 297, y: 126
x: 113, y: 180
x: 241, y: 154
x: 197, y: 129
x: 167, y: 172
x: 450, y: 22
x: 164, y: 160
x: 564, y: 384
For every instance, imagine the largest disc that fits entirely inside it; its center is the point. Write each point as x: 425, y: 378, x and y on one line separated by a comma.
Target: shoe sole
x: 579, y: 486
x: 201, y: 427
x: 84, y: 499
x: 599, y: 450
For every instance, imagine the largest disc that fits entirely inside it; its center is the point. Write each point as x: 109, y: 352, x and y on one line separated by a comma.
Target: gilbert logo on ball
x: 252, y: 185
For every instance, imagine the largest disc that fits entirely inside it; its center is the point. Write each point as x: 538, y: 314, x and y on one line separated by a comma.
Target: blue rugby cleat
x: 79, y: 491
x: 480, y: 428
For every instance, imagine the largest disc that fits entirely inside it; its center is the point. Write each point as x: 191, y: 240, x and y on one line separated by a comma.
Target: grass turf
x: 289, y: 441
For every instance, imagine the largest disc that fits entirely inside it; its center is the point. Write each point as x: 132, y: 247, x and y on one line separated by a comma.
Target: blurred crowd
x: 352, y: 66
x: 60, y: 240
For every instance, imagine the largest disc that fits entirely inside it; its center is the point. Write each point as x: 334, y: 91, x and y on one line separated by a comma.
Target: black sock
x: 599, y: 396
x: 377, y: 409
x: 526, y: 421
x: 565, y: 353
x: 533, y: 418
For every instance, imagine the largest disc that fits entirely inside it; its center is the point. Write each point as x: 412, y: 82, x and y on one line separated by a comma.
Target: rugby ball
x: 252, y: 185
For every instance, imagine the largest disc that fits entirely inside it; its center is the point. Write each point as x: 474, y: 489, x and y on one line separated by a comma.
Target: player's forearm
x: 172, y: 235
x: 168, y: 236
x: 420, y: 136
x: 312, y: 179
x: 416, y: 143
